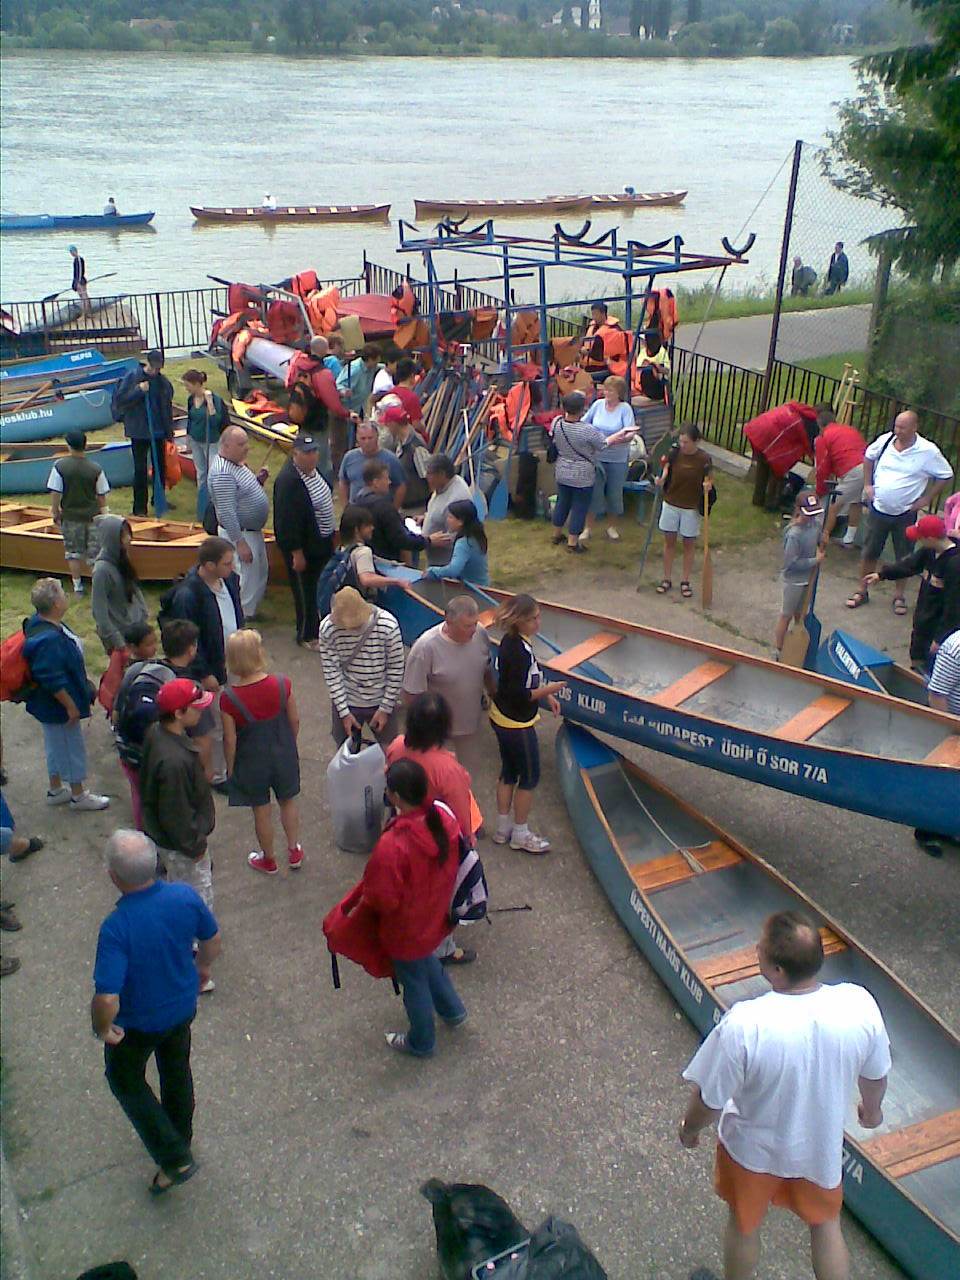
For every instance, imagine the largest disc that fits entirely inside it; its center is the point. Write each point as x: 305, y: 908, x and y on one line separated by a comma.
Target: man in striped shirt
x: 362, y: 654
x: 943, y: 694
x: 242, y: 508
x: 303, y: 524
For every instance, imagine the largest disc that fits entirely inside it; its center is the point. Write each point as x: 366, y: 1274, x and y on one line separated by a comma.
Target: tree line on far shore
x: 506, y: 28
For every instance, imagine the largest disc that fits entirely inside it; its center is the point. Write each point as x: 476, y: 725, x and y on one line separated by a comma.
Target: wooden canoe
x: 160, y: 549
x: 12, y: 394
x: 296, y: 213
x: 73, y: 221
x: 794, y: 730
x: 693, y: 899
x: 548, y: 204
x: 637, y: 200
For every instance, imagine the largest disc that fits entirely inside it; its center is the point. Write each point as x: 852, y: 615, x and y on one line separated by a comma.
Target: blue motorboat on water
x: 73, y: 221
x: 78, y: 411
x: 26, y: 468
x: 26, y: 372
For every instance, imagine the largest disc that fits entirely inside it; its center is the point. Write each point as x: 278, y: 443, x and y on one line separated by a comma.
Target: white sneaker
x: 59, y: 797
x: 79, y: 589
x: 613, y: 534
x: 585, y: 536
x: 530, y: 843
x: 89, y: 800
x: 207, y: 987
x: 500, y: 837
x: 849, y: 537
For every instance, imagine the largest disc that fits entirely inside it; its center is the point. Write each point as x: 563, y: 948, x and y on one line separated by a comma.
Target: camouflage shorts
x: 80, y: 540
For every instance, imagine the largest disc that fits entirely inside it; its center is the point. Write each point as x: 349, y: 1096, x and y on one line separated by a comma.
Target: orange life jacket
x: 403, y: 303
x: 238, y: 348
x: 525, y: 332
x: 509, y: 413
x: 411, y: 334
x: 661, y: 313
x: 241, y: 297
x: 303, y: 283
x: 322, y: 309
x: 285, y: 322
x: 606, y: 347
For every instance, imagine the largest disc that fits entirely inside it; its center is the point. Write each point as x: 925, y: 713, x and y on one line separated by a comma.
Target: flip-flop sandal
x: 857, y: 599
x: 899, y: 606
x: 158, y: 1188
x: 686, y: 590
x: 665, y: 586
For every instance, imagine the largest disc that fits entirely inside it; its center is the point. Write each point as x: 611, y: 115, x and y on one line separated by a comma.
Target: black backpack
x: 337, y: 573
x: 135, y: 709
x: 165, y: 613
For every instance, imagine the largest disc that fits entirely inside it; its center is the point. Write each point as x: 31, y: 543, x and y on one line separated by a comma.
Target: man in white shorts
x: 838, y: 452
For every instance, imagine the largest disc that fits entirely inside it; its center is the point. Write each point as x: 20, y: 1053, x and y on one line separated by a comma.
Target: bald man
x: 242, y: 509
x: 902, y: 474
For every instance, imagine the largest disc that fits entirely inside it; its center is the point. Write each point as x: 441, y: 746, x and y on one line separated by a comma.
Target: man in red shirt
x: 406, y: 375
x: 838, y: 453
x: 328, y: 410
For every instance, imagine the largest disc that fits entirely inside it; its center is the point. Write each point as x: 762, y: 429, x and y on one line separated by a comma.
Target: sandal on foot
x: 858, y: 598
x: 557, y: 537
x: 686, y: 590
x: 158, y: 1188
x: 34, y: 844
x: 664, y: 586
x: 462, y: 955
x: 899, y: 606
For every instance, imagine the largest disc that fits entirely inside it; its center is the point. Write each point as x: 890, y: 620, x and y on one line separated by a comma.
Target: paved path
x: 803, y: 335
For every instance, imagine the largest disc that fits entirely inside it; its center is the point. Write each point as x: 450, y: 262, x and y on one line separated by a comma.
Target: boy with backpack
x: 134, y: 711
x: 79, y: 490
x: 351, y: 565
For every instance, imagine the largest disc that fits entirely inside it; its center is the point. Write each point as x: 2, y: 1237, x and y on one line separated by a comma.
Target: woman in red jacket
x: 409, y: 882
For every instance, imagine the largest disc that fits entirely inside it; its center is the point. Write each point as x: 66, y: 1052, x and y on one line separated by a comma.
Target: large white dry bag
x: 355, y: 785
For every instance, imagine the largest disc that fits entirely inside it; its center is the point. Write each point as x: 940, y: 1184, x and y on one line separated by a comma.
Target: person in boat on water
x: 802, y: 553
x: 79, y: 282
x: 514, y: 712
x: 779, y: 1072
x: 110, y: 209
x: 269, y: 203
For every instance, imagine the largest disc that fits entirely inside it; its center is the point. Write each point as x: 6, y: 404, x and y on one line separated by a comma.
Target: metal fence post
x: 160, y: 342
x: 784, y: 252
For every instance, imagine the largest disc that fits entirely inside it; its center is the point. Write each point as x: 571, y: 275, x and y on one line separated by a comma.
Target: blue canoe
x: 78, y: 411
x: 26, y: 468
x: 30, y: 372
x: 70, y: 380
x: 760, y: 720
x: 693, y: 899
x: 72, y: 222
x: 844, y: 657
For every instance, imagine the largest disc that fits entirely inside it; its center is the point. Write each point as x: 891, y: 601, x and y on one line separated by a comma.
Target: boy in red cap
x: 175, y: 796
x: 937, y: 613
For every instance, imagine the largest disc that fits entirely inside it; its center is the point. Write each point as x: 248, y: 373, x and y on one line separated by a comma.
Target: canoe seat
x: 487, y: 618
x: 737, y: 966
x: 661, y: 873
x: 690, y: 684
x: 946, y: 752
x: 802, y: 726
x: 584, y: 651
x: 918, y: 1146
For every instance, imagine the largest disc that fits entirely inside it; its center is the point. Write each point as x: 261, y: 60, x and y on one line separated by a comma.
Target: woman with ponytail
x: 409, y: 882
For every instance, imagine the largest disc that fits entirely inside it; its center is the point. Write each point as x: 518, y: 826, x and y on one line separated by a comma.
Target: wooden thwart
x: 802, y: 726
x: 690, y: 684
x: 737, y: 966
x: 946, y: 752
x: 918, y: 1146
x: 584, y: 651
x: 674, y: 868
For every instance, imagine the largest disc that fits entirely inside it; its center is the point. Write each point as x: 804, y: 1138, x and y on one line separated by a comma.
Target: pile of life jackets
x: 321, y: 304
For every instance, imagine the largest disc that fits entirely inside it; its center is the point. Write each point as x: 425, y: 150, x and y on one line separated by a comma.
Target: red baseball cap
x: 927, y: 527
x: 177, y: 695
x: 395, y: 413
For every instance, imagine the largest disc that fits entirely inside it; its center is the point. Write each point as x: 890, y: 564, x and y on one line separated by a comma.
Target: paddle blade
x: 796, y: 646
x: 499, y: 499
x: 707, y: 581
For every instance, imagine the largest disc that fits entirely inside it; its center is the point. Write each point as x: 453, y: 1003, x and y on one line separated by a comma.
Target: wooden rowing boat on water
x: 693, y: 899
x: 547, y: 204
x: 295, y: 213
x: 160, y: 549
x: 794, y: 730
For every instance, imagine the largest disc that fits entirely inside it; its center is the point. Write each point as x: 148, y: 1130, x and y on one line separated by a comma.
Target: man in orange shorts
x: 779, y: 1071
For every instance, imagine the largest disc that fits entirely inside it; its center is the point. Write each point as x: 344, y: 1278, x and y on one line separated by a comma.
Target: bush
x: 781, y: 38
x: 693, y: 41
x: 119, y: 37
x: 65, y: 34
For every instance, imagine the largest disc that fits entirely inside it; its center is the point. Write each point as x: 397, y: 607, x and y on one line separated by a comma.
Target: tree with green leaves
x: 899, y: 141
x: 694, y: 11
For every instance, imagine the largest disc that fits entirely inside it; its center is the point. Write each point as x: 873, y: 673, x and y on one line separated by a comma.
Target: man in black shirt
x: 937, y: 613
x: 79, y: 282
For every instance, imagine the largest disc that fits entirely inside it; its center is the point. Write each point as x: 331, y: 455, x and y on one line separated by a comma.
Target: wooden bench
x: 674, y: 868
x: 802, y: 726
x: 738, y: 966
x: 946, y: 752
x: 584, y: 651
x: 690, y: 684
x: 918, y: 1146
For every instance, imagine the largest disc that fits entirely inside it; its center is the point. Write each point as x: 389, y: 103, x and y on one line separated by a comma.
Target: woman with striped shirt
x: 578, y: 445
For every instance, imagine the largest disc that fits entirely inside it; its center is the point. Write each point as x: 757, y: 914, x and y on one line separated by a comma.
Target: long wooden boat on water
x: 25, y: 468
x: 78, y: 411
x: 294, y: 213
x: 794, y: 730
x: 30, y: 373
x: 693, y: 900
x: 160, y: 549
x: 74, y: 221
x: 546, y: 204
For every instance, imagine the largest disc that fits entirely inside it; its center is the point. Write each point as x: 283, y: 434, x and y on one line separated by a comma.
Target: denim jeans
x: 66, y: 752
x: 426, y: 988
x: 572, y: 502
x: 608, y: 489
x: 165, y: 1126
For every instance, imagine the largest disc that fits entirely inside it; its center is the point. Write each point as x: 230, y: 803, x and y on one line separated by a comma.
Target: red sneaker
x: 260, y: 862
x: 296, y: 857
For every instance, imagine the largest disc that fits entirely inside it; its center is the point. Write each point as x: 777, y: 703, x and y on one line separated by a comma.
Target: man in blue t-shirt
x: 368, y: 448
x: 146, y: 981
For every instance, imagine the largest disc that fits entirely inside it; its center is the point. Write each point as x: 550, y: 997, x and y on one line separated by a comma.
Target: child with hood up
x: 116, y: 599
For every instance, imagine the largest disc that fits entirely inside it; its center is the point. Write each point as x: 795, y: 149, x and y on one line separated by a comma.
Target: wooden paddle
x: 706, y: 585
x: 25, y: 404
x: 52, y: 297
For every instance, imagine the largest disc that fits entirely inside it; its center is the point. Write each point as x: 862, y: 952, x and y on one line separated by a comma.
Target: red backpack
x: 15, y: 679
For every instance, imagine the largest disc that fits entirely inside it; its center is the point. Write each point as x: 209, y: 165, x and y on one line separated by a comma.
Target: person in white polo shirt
x: 779, y: 1073
x: 902, y: 474
x: 242, y: 509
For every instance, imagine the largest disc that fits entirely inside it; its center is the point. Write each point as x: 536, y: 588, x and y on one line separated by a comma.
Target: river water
x: 163, y: 132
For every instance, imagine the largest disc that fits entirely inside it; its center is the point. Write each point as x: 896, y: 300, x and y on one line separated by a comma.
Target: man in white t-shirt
x: 453, y: 659
x: 902, y: 474
x: 779, y: 1072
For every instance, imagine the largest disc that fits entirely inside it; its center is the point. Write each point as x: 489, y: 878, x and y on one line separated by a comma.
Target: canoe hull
x: 296, y: 213
x: 844, y: 657
x: 550, y: 204
x: 35, y: 372
x: 898, y: 790
x: 81, y: 411
x: 75, y: 222
x: 25, y: 470
x: 924, y: 1247
x: 161, y: 549
x: 67, y: 380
